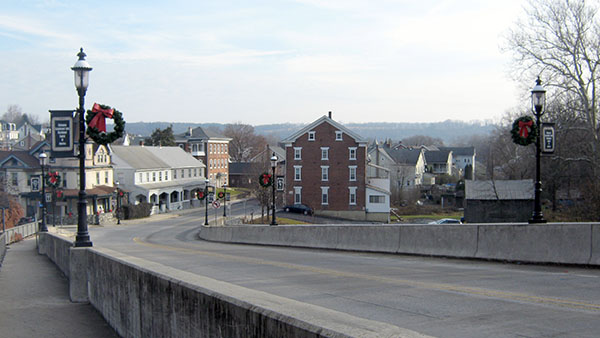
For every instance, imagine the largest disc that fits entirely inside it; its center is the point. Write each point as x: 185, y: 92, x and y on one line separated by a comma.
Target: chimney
x: 190, y: 131
x: 330, y: 114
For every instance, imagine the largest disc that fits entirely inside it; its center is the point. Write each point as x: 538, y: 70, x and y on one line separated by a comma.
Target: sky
x: 263, y: 61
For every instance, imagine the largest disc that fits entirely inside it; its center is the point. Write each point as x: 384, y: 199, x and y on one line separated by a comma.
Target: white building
x: 167, y: 177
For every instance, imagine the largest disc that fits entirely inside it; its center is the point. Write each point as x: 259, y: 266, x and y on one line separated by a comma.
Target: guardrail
x: 19, y: 232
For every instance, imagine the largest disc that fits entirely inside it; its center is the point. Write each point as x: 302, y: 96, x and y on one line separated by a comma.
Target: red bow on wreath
x: 59, y: 193
x: 266, y: 178
x: 524, y: 128
x: 99, y: 120
x: 53, y: 177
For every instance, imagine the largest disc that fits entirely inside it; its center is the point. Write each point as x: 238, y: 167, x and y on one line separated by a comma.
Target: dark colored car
x: 298, y: 208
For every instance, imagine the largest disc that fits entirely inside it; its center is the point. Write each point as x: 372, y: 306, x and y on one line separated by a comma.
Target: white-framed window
x: 153, y: 176
x: 324, y: 153
x: 338, y: 135
x: 182, y: 173
x: 324, y: 195
x: 352, y: 172
x: 352, y: 195
x: 141, y: 177
x: 106, y: 177
x: 147, y: 177
x: 352, y: 153
x: 297, y: 153
x: 379, y: 199
x: 97, y: 178
x: 297, y: 195
x: 174, y: 174
x: 160, y: 175
x: 324, y: 173
x: 311, y: 135
x: 297, y: 173
x: 166, y: 175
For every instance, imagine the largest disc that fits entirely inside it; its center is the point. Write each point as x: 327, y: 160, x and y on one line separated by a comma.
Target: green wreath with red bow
x: 53, y: 179
x: 96, y: 122
x: 524, y: 131
x: 221, y: 194
x: 200, y: 195
x: 265, y: 180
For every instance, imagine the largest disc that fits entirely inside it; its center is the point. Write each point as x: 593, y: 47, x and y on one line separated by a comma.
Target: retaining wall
x: 139, y: 298
x: 561, y: 243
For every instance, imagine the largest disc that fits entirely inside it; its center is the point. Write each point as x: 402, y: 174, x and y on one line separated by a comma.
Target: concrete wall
x: 139, y: 298
x: 57, y: 249
x: 563, y: 243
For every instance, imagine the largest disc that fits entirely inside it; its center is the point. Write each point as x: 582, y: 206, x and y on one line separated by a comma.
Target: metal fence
x: 19, y: 232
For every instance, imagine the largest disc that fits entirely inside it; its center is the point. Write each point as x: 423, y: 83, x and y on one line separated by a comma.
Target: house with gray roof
x: 167, y: 177
x: 463, y: 159
x: 498, y: 201
x: 439, y: 162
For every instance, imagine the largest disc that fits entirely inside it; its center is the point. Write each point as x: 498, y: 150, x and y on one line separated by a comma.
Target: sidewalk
x: 34, y: 299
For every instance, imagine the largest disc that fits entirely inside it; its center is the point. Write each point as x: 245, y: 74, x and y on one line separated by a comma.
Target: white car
x: 446, y: 221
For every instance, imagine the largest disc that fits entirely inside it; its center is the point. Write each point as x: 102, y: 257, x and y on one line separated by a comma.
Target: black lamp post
x: 224, y: 201
x: 206, y: 201
x: 538, y: 101
x: 43, y: 163
x: 118, y: 203
x: 273, y: 165
x: 82, y: 72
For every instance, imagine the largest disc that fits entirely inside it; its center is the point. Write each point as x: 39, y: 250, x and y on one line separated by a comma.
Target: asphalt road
x: 439, y: 297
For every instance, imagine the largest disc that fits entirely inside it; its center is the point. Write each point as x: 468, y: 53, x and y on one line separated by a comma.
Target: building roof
x: 324, y: 119
x: 24, y: 157
x: 460, y: 151
x: 499, y: 190
x: 201, y: 133
x: 175, y: 157
x: 439, y: 156
x: 404, y: 156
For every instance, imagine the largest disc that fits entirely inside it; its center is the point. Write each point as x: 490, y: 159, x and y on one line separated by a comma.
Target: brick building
x: 326, y: 169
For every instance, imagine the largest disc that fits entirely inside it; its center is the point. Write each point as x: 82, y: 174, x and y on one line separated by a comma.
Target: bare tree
x: 14, y: 114
x: 244, y: 143
x: 422, y: 140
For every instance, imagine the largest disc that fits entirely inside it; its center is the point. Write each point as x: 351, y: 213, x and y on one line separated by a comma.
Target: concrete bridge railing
x: 560, y: 243
x: 139, y: 298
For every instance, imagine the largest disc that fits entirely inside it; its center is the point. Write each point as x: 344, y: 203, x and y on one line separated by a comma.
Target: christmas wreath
x: 201, y: 195
x: 60, y: 195
x: 96, y: 121
x: 524, y: 131
x: 265, y: 180
x: 53, y: 179
x: 221, y: 194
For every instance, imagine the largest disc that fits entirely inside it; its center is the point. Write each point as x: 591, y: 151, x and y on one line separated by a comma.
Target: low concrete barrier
x: 17, y: 233
x: 57, y: 248
x: 560, y: 243
x: 139, y: 298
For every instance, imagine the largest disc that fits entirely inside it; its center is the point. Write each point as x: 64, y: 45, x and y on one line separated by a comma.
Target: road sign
x: 216, y: 204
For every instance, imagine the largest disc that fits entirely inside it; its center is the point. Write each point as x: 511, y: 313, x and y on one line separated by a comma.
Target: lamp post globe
x: 273, y: 166
x: 538, y: 102
x: 82, y: 70
x: 43, y: 162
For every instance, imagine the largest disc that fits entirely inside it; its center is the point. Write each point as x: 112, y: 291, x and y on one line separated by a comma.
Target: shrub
x: 141, y: 210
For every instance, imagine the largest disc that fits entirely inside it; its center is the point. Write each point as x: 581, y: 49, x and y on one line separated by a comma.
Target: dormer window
x: 311, y: 135
x: 338, y: 135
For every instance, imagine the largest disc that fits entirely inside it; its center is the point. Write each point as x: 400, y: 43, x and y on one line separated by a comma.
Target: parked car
x: 446, y: 221
x: 25, y: 220
x: 298, y: 208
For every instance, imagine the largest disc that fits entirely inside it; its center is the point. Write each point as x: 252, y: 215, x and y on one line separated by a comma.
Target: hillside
x: 448, y: 130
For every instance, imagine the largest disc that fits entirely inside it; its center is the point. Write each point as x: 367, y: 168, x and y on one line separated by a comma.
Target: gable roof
x: 324, y: 119
x: 175, y: 157
x: 24, y: 157
x: 202, y: 134
x: 404, y: 156
x: 499, y: 190
x: 460, y: 151
x: 153, y: 157
x: 439, y: 156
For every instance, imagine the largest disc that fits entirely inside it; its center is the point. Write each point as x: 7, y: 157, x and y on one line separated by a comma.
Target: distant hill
x: 448, y: 131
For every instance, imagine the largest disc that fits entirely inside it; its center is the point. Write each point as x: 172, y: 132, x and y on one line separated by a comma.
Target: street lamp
x: 82, y: 75
x: 43, y: 163
x: 118, y: 203
x: 538, y: 101
x: 206, y: 181
x: 224, y: 201
x: 273, y: 165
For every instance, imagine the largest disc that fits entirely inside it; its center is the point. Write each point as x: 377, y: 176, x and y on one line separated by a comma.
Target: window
x: 106, y: 177
x: 297, y: 195
x: 297, y: 173
x: 174, y: 174
x: 352, y: 153
x: 97, y: 178
x: 324, y: 153
x: 154, y: 177
x: 324, y: 173
x: 210, y: 164
x: 297, y: 153
x: 324, y: 195
x: 352, y: 200
x: 141, y: 178
x: 160, y: 175
x: 352, y: 172
x: 14, y: 178
x: 311, y: 135
x: 147, y: 177
x: 338, y: 135
x: 182, y: 173
x: 64, y: 180
x: 377, y: 199
x: 194, y: 147
x: 195, y: 172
